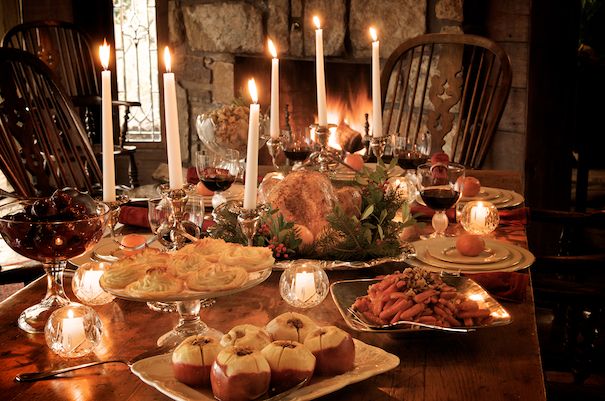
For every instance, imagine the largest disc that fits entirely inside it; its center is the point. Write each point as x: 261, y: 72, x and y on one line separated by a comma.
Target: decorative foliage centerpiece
x: 305, y: 216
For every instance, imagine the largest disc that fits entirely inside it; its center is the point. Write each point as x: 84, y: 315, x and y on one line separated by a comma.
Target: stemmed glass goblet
x: 298, y: 146
x: 411, y: 152
x: 52, y: 241
x: 218, y: 171
x: 440, y: 189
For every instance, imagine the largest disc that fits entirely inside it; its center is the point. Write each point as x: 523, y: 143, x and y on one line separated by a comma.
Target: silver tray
x: 346, y: 292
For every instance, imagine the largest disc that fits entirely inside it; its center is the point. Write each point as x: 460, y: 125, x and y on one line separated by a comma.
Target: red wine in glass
x: 217, y: 179
x: 297, y: 154
x: 410, y: 159
x: 439, y: 198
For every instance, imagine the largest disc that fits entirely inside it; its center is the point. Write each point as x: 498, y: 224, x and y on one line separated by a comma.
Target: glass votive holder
x: 479, y: 217
x: 73, y: 331
x: 86, y: 286
x: 404, y: 187
x: 304, y: 285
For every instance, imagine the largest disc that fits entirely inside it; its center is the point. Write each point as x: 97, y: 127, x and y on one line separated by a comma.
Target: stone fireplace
x: 219, y: 44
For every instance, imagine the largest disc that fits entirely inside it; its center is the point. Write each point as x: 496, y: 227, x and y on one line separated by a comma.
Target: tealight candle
x: 73, y: 330
x: 479, y: 217
x: 86, y: 287
x: 304, y: 285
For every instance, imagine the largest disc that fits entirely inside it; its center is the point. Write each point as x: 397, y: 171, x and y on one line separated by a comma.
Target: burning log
x: 349, y: 139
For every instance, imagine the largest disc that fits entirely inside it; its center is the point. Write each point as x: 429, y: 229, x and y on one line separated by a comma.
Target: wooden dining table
x: 497, y: 363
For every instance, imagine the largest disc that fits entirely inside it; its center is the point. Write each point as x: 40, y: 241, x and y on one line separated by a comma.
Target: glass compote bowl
x: 440, y: 190
x: 53, y: 243
x: 218, y: 171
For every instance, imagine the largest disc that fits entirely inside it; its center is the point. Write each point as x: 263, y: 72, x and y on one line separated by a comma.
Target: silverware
x: 34, y: 376
x: 394, y: 325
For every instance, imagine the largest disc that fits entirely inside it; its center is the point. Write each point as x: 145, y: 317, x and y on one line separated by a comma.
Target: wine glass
x: 411, y: 153
x: 298, y: 145
x: 440, y: 189
x: 218, y: 171
x: 52, y: 242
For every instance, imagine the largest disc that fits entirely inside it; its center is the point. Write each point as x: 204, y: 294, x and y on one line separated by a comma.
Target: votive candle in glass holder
x: 86, y: 286
x: 479, y: 217
x: 304, y: 285
x: 73, y: 331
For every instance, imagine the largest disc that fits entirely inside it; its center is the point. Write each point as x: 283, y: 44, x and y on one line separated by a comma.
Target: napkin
x: 509, y: 286
x: 134, y: 216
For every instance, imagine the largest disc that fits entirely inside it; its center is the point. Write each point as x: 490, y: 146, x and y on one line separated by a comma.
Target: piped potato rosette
x: 208, y: 265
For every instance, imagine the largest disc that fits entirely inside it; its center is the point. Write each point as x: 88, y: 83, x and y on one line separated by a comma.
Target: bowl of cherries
x: 52, y: 230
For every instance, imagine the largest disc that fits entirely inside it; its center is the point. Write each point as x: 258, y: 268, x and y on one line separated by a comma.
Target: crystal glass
x: 479, y: 217
x: 304, y: 285
x: 298, y: 145
x: 73, y: 331
x: 52, y: 243
x: 227, y: 128
x: 86, y: 287
x: 218, y: 171
x: 411, y: 152
x: 440, y: 190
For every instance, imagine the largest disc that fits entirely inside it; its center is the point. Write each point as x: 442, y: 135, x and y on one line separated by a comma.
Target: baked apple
x: 193, y: 358
x: 290, y: 363
x: 290, y: 326
x: 239, y: 374
x: 333, y: 348
x: 247, y: 335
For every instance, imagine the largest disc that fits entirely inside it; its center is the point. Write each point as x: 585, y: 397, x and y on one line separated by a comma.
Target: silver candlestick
x: 248, y: 220
x: 181, y: 230
x: 377, y: 146
x: 275, y: 147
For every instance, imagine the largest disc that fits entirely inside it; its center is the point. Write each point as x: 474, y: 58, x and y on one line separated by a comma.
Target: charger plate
x: 369, y: 361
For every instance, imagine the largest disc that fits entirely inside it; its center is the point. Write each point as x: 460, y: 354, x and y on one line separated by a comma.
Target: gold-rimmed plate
x: 445, y: 249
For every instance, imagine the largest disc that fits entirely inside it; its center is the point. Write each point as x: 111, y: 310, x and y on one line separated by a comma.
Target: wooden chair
x: 452, y: 86
x: 68, y: 52
x: 569, y: 292
x: 43, y: 144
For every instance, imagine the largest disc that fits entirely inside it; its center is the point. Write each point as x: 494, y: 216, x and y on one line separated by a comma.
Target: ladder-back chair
x: 68, y: 52
x: 43, y: 144
x: 452, y: 86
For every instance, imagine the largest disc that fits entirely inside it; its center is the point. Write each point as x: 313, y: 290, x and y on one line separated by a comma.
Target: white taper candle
x: 109, y: 173
x: 376, y: 96
x: 250, y: 186
x: 173, y: 141
x: 322, y: 112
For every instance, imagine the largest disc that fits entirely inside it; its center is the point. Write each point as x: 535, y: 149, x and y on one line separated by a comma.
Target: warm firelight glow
x: 167, y: 59
x: 272, y: 48
x: 104, y: 54
x: 373, y: 34
x: 252, y: 90
x: 316, y: 22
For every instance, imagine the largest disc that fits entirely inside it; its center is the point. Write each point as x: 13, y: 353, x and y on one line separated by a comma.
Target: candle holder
x: 73, y: 331
x: 325, y: 159
x: 275, y: 147
x: 181, y: 231
x: 304, y: 285
x: 479, y: 217
x: 248, y: 220
x: 86, y: 287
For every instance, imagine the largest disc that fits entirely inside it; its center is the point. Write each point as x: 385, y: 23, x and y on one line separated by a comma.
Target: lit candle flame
x: 70, y: 314
x: 252, y: 90
x: 104, y: 54
x: 167, y: 62
x: 316, y: 22
x: 373, y: 34
x: 272, y: 49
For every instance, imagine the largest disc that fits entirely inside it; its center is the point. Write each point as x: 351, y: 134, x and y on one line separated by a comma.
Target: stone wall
x: 208, y: 34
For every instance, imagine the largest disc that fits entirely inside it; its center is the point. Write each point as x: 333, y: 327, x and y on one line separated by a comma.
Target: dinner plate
x: 519, y: 258
x: 505, y: 199
x: 485, y: 193
x: 107, y: 246
x: 235, y: 192
x: 346, y: 292
x: 254, y: 278
x: 369, y: 361
x: 445, y: 249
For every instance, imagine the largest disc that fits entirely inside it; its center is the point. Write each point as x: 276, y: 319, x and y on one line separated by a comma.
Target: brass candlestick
x: 181, y: 230
x: 248, y: 220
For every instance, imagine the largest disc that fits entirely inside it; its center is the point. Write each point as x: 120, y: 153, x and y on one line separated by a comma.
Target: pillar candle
x: 109, y: 174
x: 251, y: 183
x: 376, y: 97
x: 322, y: 113
x: 173, y: 141
x: 274, y: 91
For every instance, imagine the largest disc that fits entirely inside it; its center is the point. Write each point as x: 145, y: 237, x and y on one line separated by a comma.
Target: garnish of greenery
x: 374, y: 233
x: 370, y: 235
